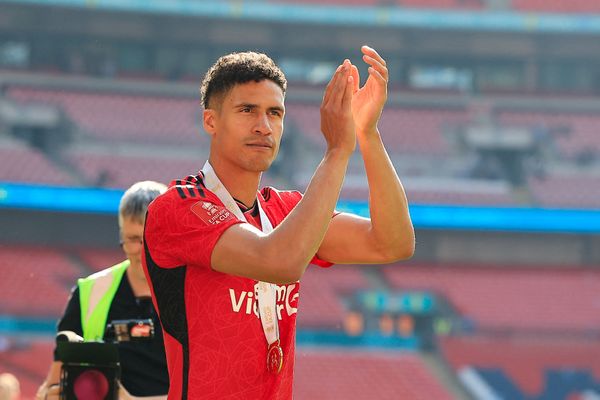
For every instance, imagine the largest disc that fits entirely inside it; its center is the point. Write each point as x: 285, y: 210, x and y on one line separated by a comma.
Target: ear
x: 209, y: 120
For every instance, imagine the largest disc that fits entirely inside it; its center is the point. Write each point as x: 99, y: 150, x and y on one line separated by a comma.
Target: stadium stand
x: 20, y: 163
x: 576, y: 190
x: 578, y: 131
x: 404, y: 130
x: 124, y: 117
x: 557, y: 6
x: 97, y: 259
x: 501, y: 298
x: 28, y: 270
x: 322, y: 290
x: 29, y: 361
x: 435, y: 4
x: 121, y: 171
x: 527, y: 367
x: 323, y: 373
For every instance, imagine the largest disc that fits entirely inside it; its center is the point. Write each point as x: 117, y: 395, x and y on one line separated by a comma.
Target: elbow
x: 399, y: 250
x: 287, y: 274
x: 283, y: 271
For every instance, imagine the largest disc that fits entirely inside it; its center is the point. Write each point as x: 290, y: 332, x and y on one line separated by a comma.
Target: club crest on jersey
x: 210, y: 213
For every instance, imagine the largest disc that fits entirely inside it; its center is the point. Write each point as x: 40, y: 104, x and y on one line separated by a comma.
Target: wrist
x: 368, y: 136
x: 338, y: 154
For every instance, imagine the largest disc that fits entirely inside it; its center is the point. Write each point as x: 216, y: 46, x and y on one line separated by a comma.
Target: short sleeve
x: 290, y: 199
x: 185, y: 231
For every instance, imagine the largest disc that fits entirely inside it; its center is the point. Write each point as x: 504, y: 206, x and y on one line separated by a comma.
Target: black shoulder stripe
x: 190, y: 190
x: 199, y: 180
x: 178, y: 186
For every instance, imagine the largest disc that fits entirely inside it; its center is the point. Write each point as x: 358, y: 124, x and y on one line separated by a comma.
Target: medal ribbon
x: 266, y: 291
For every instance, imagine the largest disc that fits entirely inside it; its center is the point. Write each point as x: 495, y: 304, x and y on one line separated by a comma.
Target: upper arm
x: 349, y: 240
x: 204, y: 234
x: 71, y: 318
x: 243, y: 250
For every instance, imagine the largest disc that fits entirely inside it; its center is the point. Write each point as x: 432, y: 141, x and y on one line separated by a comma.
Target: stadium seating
x: 26, y: 270
x: 519, y: 368
x: 332, y: 374
x: 114, y: 116
x: 501, y: 298
x: 557, y: 6
x: 443, y: 4
x: 582, y: 132
x: 121, y: 171
x: 97, y: 259
x: 549, y: 6
x: 27, y: 165
x: 434, y: 4
x: 28, y: 361
x: 578, y: 191
x: 404, y: 130
x: 322, y: 290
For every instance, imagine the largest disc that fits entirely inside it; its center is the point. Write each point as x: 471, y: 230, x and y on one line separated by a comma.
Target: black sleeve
x: 71, y: 318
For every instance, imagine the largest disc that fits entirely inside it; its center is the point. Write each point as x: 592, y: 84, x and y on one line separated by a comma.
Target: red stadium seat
x: 500, y: 298
x: 36, y: 281
x: 336, y: 374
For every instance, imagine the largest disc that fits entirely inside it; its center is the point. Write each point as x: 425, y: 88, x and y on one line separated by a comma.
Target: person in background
x: 118, y: 293
x: 9, y: 387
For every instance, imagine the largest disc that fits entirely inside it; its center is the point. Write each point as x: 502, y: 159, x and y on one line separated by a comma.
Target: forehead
x: 131, y: 226
x: 265, y: 92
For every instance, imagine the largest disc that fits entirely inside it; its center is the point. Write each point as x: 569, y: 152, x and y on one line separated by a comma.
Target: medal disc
x: 274, y: 358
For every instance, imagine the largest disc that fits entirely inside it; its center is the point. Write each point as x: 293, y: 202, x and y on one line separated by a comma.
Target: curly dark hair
x: 236, y: 68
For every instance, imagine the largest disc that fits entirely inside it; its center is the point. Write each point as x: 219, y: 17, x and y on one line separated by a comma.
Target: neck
x: 241, y: 184
x: 138, y: 281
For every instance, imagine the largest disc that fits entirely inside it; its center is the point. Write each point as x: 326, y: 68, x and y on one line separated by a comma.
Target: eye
x: 276, y: 113
x: 245, y: 109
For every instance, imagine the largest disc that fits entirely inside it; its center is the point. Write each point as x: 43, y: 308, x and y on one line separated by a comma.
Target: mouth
x: 265, y: 146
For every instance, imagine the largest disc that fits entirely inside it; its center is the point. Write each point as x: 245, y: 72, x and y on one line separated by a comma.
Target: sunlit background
x: 493, y: 125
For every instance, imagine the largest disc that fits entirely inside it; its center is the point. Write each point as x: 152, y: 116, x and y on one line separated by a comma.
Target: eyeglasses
x: 131, y: 244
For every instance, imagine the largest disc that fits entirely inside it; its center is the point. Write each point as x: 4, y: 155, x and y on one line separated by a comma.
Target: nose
x: 262, y: 125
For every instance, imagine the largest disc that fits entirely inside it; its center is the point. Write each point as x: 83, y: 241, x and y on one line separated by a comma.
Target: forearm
x: 49, y: 389
x: 301, y: 233
x: 391, y: 226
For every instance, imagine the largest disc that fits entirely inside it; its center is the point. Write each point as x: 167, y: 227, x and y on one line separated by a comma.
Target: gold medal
x: 274, y: 358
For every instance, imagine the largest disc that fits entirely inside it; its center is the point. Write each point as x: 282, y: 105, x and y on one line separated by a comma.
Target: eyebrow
x: 253, y: 106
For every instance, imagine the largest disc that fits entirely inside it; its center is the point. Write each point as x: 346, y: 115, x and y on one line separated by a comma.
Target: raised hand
x: 337, y: 123
x: 368, y: 101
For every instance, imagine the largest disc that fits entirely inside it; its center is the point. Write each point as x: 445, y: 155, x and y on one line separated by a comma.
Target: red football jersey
x: 214, y: 340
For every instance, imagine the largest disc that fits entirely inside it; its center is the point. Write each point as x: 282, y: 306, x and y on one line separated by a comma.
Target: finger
x: 355, y: 77
x: 376, y: 75
x: 337, y: 92
x: 369, y: 51
x: 347, y: 99
x: 382, y: 69
x: 331, y: 84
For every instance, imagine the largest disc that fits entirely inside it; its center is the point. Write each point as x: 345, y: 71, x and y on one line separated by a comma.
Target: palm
x: 367, y: 104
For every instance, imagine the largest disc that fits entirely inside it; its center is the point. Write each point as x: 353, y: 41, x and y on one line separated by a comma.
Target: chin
x: 258, y: 165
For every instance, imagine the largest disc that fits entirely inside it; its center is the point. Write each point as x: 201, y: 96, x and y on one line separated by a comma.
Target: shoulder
x: 123, y: 265
x: 182, y: 194
x: 282, y: 198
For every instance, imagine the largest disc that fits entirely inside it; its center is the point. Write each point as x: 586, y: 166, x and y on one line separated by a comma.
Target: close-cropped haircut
x: 236, y: 68
x: 136, y: 199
